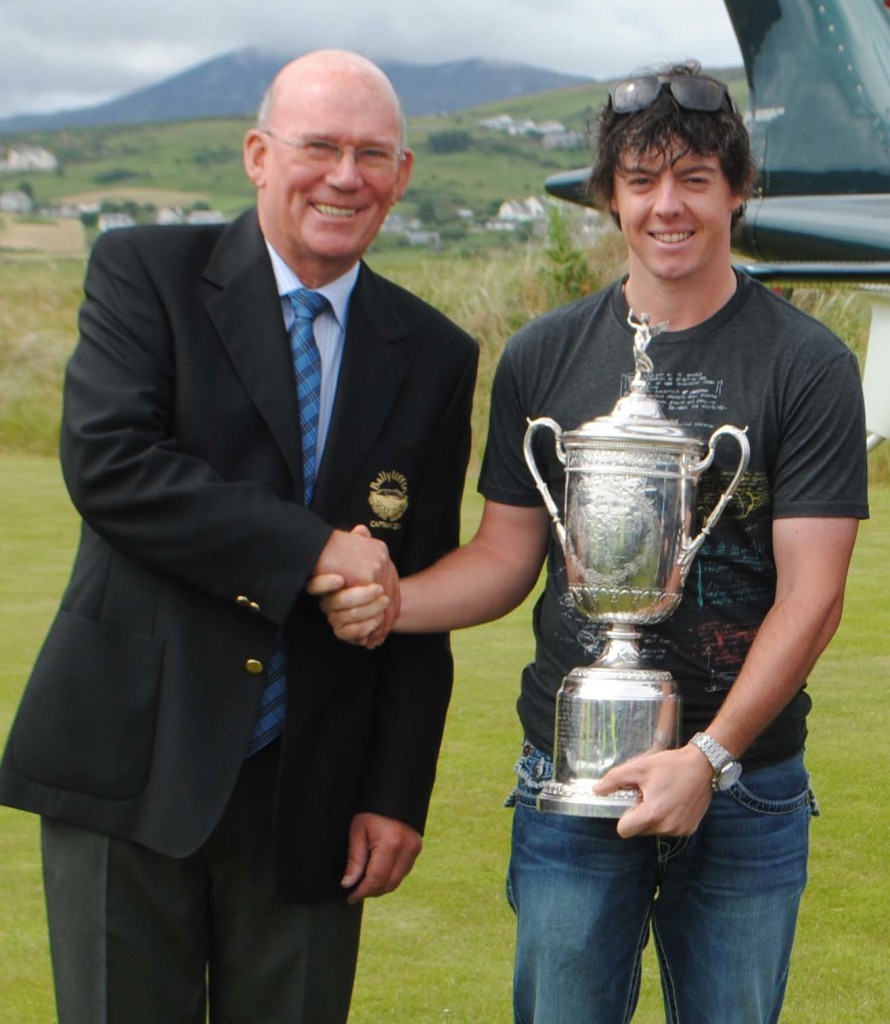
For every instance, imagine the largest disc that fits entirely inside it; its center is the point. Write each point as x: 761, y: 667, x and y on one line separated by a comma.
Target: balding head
x: 328, y: 161
x: 327, y: 65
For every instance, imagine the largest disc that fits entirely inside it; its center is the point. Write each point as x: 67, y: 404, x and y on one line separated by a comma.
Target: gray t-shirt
x: 758, y: 363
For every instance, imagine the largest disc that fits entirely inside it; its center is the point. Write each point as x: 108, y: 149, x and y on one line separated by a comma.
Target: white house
x: 564, y: 140
x: 206, y: 217
x: 432, y: 239
x: 27, y: 158
x: 15, y: 202
x: 521, y: 211
x: 508, y: 124
x: 110, y: 221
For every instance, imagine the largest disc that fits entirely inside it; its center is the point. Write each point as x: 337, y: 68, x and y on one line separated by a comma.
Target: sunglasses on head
x: 692, y: 92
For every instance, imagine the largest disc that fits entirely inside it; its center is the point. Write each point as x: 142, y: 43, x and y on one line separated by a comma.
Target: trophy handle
x: 691, y: 549
x: 533, y: 425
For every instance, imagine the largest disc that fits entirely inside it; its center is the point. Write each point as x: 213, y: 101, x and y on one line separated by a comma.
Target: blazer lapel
x: 246, y: 313
x: 371, y: 374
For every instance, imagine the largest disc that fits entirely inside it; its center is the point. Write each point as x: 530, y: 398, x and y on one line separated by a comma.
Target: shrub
x: 452, y: 140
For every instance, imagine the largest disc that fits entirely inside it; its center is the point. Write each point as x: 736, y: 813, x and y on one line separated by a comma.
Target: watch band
x: 724, y: 766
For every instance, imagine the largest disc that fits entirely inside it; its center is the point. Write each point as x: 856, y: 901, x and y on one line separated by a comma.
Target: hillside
x: 203, y: 156
x: 233, y: 84
x: 463, y: 171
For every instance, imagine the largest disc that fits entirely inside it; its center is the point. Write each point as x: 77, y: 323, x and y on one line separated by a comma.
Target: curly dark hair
x: 666, y: 129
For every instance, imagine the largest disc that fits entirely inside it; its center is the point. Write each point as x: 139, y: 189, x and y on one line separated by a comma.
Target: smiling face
x: 321, y: 216
x: 675, y: 214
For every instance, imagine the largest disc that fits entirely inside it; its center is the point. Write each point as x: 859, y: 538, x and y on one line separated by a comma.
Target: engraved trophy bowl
x: 630, y: 486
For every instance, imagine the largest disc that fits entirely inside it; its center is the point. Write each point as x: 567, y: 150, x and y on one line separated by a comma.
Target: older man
x: 221, y: 782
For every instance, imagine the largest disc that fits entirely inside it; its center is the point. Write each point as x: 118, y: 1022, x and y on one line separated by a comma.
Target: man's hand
x: 366, y: 610
x: 675, y: 788
x: 356, y: 614
x: 381, y: 853
x: 478, y: 582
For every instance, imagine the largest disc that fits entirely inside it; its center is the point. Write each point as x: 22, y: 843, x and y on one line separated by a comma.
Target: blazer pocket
x: 87, y: 718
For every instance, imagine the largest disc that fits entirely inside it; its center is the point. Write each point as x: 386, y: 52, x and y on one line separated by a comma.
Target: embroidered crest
x: 388, y: 499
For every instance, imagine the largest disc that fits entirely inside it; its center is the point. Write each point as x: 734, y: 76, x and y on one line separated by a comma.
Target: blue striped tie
x: 307, y: 370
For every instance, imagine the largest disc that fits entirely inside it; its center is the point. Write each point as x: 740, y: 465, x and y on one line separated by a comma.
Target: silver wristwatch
x: 725, y: 767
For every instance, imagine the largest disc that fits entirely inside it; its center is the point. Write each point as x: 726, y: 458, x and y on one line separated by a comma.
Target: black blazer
x: 181, y: 450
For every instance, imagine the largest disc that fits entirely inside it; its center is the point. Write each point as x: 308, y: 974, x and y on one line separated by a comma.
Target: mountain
x: 233, y: 84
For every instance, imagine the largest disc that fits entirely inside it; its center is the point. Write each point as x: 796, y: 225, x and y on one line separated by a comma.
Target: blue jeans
x: 721, y: 904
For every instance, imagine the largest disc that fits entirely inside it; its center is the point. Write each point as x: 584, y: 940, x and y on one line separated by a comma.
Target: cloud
x: 54, y: 53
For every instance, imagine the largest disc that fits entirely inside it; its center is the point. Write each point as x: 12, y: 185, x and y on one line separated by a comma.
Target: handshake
x: 358, y: 586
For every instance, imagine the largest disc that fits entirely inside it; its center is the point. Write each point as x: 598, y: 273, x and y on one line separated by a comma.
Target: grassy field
x: 439, y: 950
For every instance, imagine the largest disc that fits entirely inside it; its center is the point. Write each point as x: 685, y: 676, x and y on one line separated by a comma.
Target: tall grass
x: 493, y: 295
x: 38, y: 309
x: 489, y: 294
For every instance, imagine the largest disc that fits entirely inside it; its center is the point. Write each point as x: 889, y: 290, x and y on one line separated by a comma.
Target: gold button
x: 241, y: 599
x: 253, y: 606
x: 253, y: 666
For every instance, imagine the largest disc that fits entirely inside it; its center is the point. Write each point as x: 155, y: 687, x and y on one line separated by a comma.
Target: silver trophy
x: 631, y: 479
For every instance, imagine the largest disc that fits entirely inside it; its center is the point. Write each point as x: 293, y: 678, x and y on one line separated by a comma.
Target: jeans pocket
x: 777, y: 789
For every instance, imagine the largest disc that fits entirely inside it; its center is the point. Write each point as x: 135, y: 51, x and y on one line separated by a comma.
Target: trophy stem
x: 620, y: 649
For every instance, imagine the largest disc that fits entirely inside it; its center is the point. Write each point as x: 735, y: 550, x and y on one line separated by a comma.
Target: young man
x: 715, y: 871
x: 221, y: 782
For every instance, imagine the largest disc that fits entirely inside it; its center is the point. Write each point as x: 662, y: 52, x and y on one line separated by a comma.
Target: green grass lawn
x: 440, y: 949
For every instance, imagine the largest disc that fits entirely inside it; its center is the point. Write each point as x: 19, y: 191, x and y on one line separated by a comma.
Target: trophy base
x: 579, y: 800
x: 608, y: 713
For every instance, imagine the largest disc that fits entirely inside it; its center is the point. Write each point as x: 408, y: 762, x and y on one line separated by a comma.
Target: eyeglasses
x: 692, y: 92
x: 325, y: 155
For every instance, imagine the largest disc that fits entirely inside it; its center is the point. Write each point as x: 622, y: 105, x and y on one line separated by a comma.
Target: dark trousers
x: 140, y: 938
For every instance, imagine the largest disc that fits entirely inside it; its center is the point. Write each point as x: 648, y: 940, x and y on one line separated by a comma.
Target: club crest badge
x: 388, y: 498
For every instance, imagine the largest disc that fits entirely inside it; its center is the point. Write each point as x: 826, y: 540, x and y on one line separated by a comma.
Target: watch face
x: 728, y: 776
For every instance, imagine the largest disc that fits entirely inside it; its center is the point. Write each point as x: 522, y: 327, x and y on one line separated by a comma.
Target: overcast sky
x: 59, y: 54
